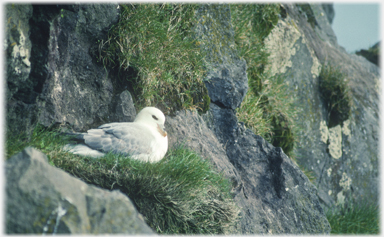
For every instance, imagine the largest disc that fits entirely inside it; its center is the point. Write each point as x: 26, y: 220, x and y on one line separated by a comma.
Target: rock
x: 42, y: 199
x: 343, y: 158
x: 67, y: 84
x: 274, y: 195
x: 329, y: 11
x: 18, y: 50
x: 124, y: 108
x: 77, y: 90
x: 189, y: 129
x: 226, y: 79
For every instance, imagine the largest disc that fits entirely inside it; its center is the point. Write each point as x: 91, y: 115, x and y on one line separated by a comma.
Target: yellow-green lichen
x: 345, y: 181
x: 335, y: 142
x: 281, y: 45
x: 316, y: 66
x: 346, y: 130
x: 340, y: 198
x: 324, y: 131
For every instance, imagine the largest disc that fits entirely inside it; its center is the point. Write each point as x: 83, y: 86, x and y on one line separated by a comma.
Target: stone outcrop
x: 343, y: 158
x: 226, y: 79
x: 42, y: 199
x: 267, y: 185
x: 274, y: 195
x: 63, y: 83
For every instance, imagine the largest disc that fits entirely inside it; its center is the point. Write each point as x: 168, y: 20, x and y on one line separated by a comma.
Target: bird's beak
x: 161, y: 130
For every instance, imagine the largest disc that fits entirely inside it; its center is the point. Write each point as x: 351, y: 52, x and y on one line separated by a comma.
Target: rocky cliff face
x: 64, y: 84
x: 53, y: 77
x: 343, y: 157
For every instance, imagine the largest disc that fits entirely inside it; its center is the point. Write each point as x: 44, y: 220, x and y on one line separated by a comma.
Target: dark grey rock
x: 272, y: 192
x: 123, y: 109
x: 42, y: 199
x: 77, y: 90
x: 65, y: 83
x: 17, y: 48
x: 226, y: 79
x: 189, y: 129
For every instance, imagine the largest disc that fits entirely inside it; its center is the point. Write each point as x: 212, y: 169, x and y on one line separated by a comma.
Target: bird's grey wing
x: 111, y: 125
x: 129, y: 138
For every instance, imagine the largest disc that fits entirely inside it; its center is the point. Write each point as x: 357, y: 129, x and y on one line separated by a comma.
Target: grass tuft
x: 45, y: 139
x: 157, y: 42
x: 181, y: 194
x: 267, y: 109
x: 354, y: 218
x: 335, y: 93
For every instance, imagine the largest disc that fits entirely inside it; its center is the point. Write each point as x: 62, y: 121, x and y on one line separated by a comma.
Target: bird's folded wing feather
x: 128, y: 138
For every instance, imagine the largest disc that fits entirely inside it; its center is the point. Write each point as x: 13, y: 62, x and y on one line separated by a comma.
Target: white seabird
x: 143, y: 139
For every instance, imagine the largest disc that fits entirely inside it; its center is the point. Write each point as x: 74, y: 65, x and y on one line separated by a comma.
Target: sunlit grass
x: 157, y: 42
x: 267, y: 108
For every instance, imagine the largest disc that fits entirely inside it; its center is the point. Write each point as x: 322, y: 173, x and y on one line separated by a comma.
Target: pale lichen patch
x: 335, y: 142
x: 329, y: 171
x: 280, y: 43
x: 345, y: 181
x: 346, y: 130
x: 340, y: 198
x: 324, y: 131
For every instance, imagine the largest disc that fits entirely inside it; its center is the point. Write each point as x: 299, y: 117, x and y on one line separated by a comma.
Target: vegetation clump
x: 156, y: 41
x: 267, y: 107
x: 354, y: 218
x: 181, y: 194
x: 372, y: 54
x: 335, y: 93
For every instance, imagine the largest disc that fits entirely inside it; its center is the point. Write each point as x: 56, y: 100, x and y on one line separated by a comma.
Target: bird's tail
x: 77, y: 137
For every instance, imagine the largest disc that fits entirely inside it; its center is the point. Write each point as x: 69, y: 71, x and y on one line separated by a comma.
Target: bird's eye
x: 153, y: 116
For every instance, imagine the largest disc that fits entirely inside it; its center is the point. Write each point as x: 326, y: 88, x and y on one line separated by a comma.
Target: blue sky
x: 356, y: 25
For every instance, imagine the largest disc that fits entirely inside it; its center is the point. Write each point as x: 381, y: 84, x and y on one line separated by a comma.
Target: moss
x: 157, y: 42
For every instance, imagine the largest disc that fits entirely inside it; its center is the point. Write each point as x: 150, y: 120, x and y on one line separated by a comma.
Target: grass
x: 267, y: 109
x: 45, y: 139
x: 355, y: 218
x: 181, y: 194
x: 335, y: 93
x: 157, y: 42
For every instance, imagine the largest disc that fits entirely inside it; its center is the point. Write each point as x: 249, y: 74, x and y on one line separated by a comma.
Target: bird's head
x: 153, y: 117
